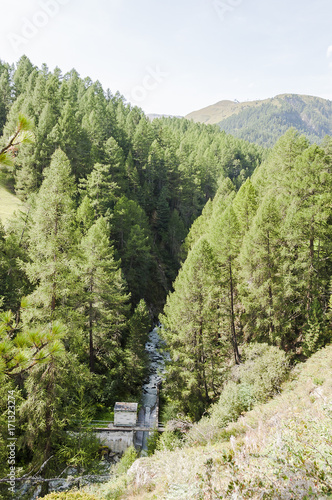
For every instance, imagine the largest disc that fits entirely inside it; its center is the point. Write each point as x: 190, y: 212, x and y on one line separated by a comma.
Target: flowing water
x: 149, y: 412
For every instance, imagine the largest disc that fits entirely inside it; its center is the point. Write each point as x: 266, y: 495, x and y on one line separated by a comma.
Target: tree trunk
x: 271, y: 327
x: 311, y: 268
x: 91, y: 348
x: 237, y: 356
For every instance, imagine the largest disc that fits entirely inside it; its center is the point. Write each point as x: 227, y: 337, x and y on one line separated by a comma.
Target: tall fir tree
x: 103, y: 301
x: 190, y: 328
x: 225, y: 238
x: 51, y: 238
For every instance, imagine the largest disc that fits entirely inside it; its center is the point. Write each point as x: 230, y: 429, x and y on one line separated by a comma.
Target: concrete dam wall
x: 128, y: 428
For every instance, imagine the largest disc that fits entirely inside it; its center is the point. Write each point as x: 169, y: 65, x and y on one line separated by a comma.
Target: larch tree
x: 190, y: 328
x: 51, y: 239
x: 245, y: 205
x: 103, y: 301
x: 261, y: 274
x: 224, y: 235
x: 307, y: 230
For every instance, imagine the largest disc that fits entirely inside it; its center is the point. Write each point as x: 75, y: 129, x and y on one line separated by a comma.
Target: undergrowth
x: 280, y: 449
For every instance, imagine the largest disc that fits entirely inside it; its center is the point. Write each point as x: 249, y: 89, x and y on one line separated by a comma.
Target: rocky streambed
x: 149, y: 412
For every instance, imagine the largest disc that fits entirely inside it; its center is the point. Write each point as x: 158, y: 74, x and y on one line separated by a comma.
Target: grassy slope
x: 263, y: 122
x: 223, y: 109
x: 8, y: 204
x: 282, y: 448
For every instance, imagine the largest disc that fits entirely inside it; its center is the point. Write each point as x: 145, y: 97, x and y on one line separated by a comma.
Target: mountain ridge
x: 264, y: 121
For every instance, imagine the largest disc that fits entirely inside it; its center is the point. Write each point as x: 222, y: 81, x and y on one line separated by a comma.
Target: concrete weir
x: 117, y: 440
x: 128, y: 429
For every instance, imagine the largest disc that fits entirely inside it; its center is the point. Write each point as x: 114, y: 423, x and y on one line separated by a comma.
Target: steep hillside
x: 265, y: 121
x: 221, y: 110
x: 9, y: 203
x: 280, y: 450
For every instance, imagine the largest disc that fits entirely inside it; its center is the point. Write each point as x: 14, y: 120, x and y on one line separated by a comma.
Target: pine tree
x: 131, y: 232
x: 262, y: 277
x: 74, y: 141
x: 114, y: 156
x: 245, y: 205
x: 101, y: 189
x: 5, y: 94
x: 136, y: 359
x: 103, y: 300
x: 51, y: 240
x: 225, y: 238
x: 23, y: 69
x: 14, y: 284
x: 190, y: 329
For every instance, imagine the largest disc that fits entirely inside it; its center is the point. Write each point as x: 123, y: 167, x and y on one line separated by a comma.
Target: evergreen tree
x: 225, y: 238
x: 101, y: 189
x: 136, y: 359
x: 307, y: 230
x: 51, y: 240
x: 190, y: 329
x: 103, y: 301
x: 262, y: 276
x: 74, y: 141
x: 5, y: 94
x: 131, y: 232
x: 23, y: 69
x: 245, y: 205
x: 14, y: 284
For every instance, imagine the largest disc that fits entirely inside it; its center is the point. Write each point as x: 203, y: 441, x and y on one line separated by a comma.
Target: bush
x: 169, y: 440
x: 70, y: 495
x: 128, y: 458
x: 264, y: 369
x: 169, y: 410
x: 256, y: 380
x: 153, y: 442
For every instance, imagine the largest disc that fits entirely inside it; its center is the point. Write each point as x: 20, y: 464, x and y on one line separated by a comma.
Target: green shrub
x: 117, y: 488
x: 153, y: 442
x: 234, y: 400
x: 169, y: 411
x: 70, y: 495
x: 169, y: 440
x: 128, y: 458
x: 265, y: 367
x: 257, y: 379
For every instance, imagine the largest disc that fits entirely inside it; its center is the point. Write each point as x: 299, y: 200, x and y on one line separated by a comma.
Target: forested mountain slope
x: 279, y: 449
x: 263, y: 122
x: 114, y: 204
x: 251, y: 303
x: 86, y: 268
x: 258, y: 269
x: 157, y: 175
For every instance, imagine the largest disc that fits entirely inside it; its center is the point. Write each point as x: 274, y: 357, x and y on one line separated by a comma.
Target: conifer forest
x: 127, y: 223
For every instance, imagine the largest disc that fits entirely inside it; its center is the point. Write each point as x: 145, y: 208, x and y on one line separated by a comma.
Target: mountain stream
x: 149, y: 413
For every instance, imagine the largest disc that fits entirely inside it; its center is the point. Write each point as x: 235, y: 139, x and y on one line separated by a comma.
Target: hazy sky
x: 175, y: 56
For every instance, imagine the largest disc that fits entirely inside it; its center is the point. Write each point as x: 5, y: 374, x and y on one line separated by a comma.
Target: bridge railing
x: 109, y: 424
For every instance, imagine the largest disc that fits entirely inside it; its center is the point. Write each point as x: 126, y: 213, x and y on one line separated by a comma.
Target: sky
x: 177, y: 56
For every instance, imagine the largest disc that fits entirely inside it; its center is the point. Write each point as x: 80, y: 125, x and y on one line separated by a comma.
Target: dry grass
x: 223, y: 109
x: 9, y: 203
x: 281, y: 449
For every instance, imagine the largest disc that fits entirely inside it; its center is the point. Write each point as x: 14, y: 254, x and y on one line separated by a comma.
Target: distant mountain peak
x: 264, y: 121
